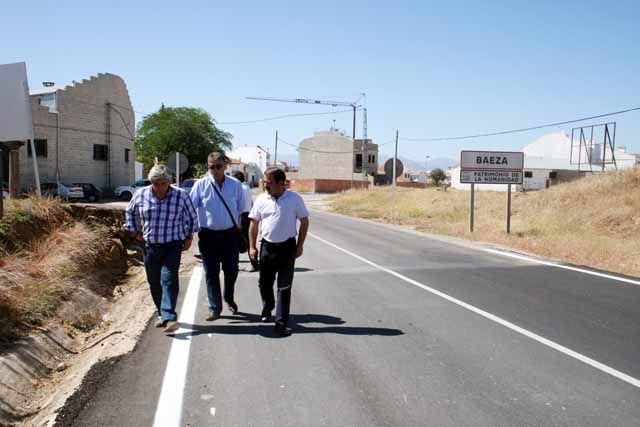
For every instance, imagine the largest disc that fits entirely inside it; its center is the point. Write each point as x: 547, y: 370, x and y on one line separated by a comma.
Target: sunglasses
x: 216, y: 167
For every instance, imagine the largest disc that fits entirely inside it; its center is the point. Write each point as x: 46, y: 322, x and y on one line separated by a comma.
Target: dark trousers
x: 162, y: 263
x: 244, y: 223
x: 277, y: 259
x: 219, y: 247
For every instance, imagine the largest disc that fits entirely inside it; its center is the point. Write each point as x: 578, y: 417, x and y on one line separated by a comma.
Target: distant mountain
x: 443, y: 163
x: 290, y: 158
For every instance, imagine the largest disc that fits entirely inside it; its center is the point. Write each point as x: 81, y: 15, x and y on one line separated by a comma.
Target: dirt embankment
x: 68, y: 286
x: 594, y: 221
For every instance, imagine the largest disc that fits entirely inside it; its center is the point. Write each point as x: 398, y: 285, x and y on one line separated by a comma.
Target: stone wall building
x: 331, y: 155
x: 83, y: 133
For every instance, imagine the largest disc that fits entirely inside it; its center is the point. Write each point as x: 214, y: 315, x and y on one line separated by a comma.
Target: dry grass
x: 26, y: 220
x: 53, y: 258
x: 594, y: 221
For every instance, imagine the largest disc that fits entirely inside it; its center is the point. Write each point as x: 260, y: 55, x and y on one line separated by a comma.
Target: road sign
x: 183, y: 162
x: 490, y: 177
x: 491, y: 167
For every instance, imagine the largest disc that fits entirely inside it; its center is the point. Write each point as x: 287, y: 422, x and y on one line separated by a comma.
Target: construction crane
x: 353, y: 105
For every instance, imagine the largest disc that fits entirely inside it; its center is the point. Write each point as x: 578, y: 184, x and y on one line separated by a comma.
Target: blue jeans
x: 219, y: 247
x: 162, y: 263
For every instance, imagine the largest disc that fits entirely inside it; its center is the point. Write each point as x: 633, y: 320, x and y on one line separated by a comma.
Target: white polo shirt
x: 278, y: 217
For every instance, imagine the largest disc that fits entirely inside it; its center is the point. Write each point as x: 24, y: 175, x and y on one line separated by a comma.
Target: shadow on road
x: 249, y: 324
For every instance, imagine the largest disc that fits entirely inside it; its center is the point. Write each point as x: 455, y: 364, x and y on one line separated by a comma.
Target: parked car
x: 63, y: 191
x: 126, y: 192
x: 187, y: 184
x: 91, y: 192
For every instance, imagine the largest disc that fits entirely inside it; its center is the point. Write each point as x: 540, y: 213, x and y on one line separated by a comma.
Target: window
x: 41, y: 148
x: 373, y: 158
x: 126, y: 155
x: 528, y: 174
x: 100, y: 152
x: 48, y: 100
x: 358, y: 162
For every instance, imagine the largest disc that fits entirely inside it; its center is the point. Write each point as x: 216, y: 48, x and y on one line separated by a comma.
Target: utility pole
x: 364, y: 145
x: 275, y: 156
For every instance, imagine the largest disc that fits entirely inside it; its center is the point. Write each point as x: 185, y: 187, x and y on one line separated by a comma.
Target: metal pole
x: 108, y: 138
x: 177, y: 169
x: 471, y: 206
x: 275, y: 157
x: 508, y: 208
x: 35, y: 168
x: 395, y: 160
x: 354, y: 122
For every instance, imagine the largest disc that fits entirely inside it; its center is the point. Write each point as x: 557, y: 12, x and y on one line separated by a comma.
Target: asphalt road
x: 417, y: 331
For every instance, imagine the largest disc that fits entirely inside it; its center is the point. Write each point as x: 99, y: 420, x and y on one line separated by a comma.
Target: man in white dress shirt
x: 277, y: 212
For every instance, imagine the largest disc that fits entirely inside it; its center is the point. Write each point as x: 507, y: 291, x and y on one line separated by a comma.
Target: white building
x: 256, y: 159
x: 252, y: 154
x: 548, y: 161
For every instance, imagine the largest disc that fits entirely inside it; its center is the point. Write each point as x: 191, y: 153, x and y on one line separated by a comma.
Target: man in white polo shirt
x: 277, y: 213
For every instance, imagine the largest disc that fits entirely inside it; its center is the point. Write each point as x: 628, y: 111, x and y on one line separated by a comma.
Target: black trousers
x: 277, y: 259
x: 219, y: 247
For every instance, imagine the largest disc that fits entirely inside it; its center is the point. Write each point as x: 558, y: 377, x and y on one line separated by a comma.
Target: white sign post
x: 491, y: 167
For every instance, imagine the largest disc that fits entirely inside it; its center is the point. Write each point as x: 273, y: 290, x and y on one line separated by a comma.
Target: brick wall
x: 82, y: 123
x: 411, y: 184
x: 325, y: 185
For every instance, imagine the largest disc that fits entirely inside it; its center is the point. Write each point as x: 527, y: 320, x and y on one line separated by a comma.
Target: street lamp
x: 426, y: 160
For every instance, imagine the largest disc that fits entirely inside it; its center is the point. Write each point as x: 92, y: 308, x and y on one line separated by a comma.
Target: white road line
x: 582, y: 358
x: 566, y: 267
x: 169, y: 410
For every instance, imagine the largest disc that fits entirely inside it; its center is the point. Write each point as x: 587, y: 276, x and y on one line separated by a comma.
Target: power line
x: 505, y: 132
x: 283, y: 116
x: 298, y: 147
x: 124, y: 122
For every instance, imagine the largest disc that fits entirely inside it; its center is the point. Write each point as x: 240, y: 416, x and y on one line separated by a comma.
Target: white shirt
x: 278, y: 217
x: 248, y: 198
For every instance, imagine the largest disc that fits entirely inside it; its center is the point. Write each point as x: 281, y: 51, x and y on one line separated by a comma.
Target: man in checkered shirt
x: 164, y: 217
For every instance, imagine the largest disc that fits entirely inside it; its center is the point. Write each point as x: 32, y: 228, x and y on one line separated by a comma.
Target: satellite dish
x: 171, y: 162
x: 388, y: 168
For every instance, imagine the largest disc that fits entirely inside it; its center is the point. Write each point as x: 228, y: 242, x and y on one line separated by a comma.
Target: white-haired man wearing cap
x: 166, y: 218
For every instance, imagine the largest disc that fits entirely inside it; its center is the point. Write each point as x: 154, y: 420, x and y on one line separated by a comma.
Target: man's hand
x: 299, y: 251
x: 187, y: 243
x: 253, y: 254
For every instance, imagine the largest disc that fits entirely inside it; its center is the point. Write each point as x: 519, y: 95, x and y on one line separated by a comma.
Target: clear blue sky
x: 429, y: 68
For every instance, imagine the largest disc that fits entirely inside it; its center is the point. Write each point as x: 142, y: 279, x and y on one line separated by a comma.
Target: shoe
x: 282, y: 330
x: 233, y: 307
x: 265, y: 317
x: 172, y: 326
x: 212, y: 316
x: 199, y: 256
x: 160, y: 323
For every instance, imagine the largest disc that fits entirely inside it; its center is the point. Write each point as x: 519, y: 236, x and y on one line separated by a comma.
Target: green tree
x: 191, y: 131
x: 437, y: 175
